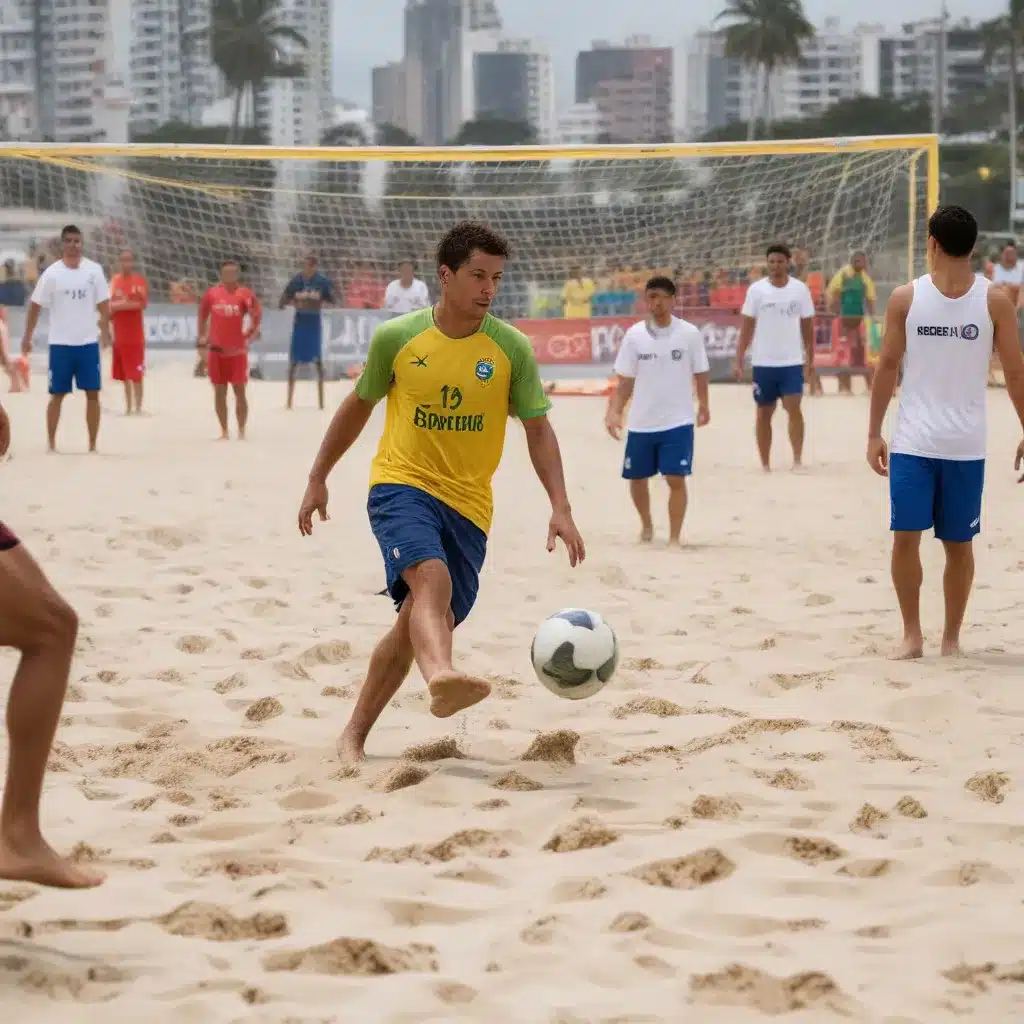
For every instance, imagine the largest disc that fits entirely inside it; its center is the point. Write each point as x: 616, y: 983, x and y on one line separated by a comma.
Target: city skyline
x: 572, y: 25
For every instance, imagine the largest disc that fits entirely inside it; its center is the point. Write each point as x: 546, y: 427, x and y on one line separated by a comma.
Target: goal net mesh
x: 707, y: 216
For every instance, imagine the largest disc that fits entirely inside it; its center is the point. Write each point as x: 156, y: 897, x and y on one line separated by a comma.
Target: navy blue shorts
x: 774, y: 382
x: 668, y: 452
x: 941, y: 493
x: 75, y: 366
x: 412, y: 526
x: 307, y: 339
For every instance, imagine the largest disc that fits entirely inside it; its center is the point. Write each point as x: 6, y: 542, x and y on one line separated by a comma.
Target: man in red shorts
x: 224, y: 336
x: 129, y: 296
x: 36, y: 621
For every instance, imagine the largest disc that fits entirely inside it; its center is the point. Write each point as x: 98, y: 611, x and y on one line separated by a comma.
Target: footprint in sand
x: 416, y: 913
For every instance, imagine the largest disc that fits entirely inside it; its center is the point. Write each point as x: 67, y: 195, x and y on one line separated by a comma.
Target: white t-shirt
x: 1008, y: 275
x: 71, y: 294
x: 406, y: 300
x: 942, y: 410
x: 778, y: 340
x: 662, y: 360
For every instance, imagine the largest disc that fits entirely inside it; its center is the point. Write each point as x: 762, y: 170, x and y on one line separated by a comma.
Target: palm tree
x: 765, y: 35
x: 246, y: 41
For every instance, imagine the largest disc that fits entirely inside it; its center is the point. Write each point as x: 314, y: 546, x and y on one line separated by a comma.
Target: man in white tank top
x: 942, y: 328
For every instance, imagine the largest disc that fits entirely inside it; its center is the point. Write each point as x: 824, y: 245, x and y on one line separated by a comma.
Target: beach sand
x: 760, y: 815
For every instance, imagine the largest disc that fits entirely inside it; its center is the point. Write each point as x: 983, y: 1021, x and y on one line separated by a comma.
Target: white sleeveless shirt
x: 942, y: 409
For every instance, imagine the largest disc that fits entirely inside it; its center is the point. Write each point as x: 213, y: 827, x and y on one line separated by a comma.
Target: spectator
x: 12, y: 289
x: 364, y: 290
x: 851, y: 295
x: 576, y: 295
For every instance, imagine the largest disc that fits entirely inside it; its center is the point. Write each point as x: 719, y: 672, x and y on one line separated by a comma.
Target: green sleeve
x: 387, y: 341
x: 526, y: 391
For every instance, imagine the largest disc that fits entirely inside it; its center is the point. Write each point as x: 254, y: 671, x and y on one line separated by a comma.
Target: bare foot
x: 675, y: 543
x: 647, y: 533
x: 350, y: 748
x: 951, y: 649
x: 454, y: 691
x: 241, y: 435
x: 911, y: 648
x: 224, y: 437
x: 38, y: 862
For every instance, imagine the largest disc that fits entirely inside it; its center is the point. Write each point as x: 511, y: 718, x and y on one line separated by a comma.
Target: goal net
x: 703, y: 212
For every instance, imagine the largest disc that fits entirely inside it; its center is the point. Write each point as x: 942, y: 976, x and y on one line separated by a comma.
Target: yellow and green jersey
x: 448, y: 405
x: 854, y: 289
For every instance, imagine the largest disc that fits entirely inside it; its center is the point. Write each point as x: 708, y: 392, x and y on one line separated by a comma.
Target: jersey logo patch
x: 484, y: 370
x: 419, y: 360
x: 970, y: 332
x: 677, y: 354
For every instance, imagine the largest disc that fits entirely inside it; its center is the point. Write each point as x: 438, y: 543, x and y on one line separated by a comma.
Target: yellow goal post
x: 702, y: 211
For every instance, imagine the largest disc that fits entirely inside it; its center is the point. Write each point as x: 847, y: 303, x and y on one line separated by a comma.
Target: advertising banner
x: 556, y: 342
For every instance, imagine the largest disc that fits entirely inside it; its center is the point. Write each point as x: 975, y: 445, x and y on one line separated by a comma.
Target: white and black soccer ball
x: 575, y: 653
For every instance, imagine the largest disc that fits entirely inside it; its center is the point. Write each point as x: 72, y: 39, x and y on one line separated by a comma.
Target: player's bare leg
x: 53, y: 408
x: 791, y: 403
x: 320, y: 383
x: 292, y: 368
x: 640, y: 492
x: 677, y: 499
x: 127, y: 398
x: 956, y: 586
x: 92, y: 417
x: 390, y: 664
x: 907, y: 576
x: 763, y: 433
x: 220, y: 405
x: 431, y: 639
x: 136, y: 386
x: 36, y: 621
x: 241, y: 409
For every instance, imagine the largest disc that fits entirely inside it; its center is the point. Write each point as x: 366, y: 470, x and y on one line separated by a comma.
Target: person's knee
x: 905, y: 542
x: 92, y: 397
x: 959, y: 552
x: 676, y: 484
x: 430, y: 583
x: 54, y: 623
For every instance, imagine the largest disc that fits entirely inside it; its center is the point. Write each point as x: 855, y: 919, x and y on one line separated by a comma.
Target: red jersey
x: 129, y: 325
x: 227, y: 311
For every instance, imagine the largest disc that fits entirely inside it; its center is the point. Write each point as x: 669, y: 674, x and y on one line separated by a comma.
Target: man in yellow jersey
x: 451, y: 375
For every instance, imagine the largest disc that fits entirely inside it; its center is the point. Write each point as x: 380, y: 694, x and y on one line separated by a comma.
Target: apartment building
x: 515, y: 81
x: 17, y: 70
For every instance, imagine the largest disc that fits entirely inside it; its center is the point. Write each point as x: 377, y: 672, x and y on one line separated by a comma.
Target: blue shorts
x: 412, y: 526
x: 307, y: 339
x: 774, y: 382
x: 75, y: 366
x: 668, y: 452
x: 943, y: 493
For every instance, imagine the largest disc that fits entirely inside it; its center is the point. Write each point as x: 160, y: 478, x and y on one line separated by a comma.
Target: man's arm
x: 747, y: 326
x: 870, y: 295
x: 894, y: 345
x: 255, y: 316
x: 835, y: 292
x: 1007, y: 346
x: 546, y: 457
x: 701, y: 374
x: 201, y: 320
x: 31, y: 319
x: 807, y: 332
x: 103, y: 308
x: 354, y: 412
x: 288, y: 295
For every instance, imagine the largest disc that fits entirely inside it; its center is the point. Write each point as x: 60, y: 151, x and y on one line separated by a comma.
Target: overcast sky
x: 366, y: 34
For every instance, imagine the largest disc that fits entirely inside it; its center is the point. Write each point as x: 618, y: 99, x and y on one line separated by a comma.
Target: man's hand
x: 737, y: 370
x: 878, y: 455
x: 5, y: 432
x: 561, y: 525
x: 26, y: 347
x: 1019, y: 461
x: 105, y: 337
x: 315, y: 500
x: 613, y: 423
x: 703, y: 416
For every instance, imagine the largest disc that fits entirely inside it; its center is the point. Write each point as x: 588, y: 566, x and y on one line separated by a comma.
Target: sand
x: 760, y: 815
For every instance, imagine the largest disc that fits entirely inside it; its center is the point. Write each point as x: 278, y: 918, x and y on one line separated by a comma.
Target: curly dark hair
x: 955, y: 230
x: 465, y: 238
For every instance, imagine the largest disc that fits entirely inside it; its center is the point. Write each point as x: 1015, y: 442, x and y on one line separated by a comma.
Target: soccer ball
x: 574, y: 653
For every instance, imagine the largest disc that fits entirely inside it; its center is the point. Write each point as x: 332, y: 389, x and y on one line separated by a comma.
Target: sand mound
x: 557, y: 747
x: 738, y: 985
x: 264, y: 709
x: 434, y: 750
x: 354, y: 956
x: 584, y: 834
x: 517, y: 782
x: 988, y: 786
x: 700, y: 868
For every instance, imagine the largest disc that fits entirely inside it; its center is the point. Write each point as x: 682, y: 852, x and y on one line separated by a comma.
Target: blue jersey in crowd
x: 307, y: 328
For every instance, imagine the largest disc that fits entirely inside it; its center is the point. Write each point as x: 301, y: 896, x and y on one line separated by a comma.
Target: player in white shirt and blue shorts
x: 778, y: 320
x: 660, y: 362
x: 942, y: 327
x: 77, y: 295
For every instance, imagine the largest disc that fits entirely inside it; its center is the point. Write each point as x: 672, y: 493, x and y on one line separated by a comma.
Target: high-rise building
x: 388, y: 104
x: 834, y: 65
x: 441, y: 39
x: 632, y: 84
x: 515, y: 81
x: 17, y: 70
